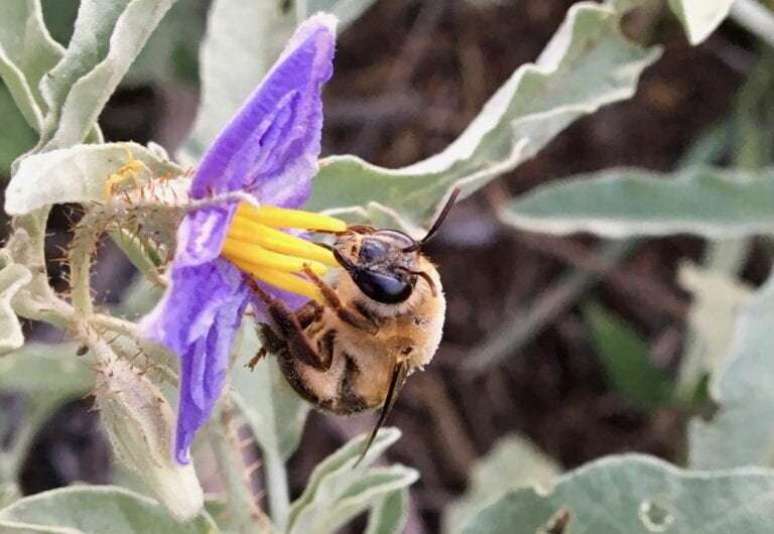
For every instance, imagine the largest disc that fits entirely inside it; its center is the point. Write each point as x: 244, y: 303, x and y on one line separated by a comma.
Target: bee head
x: 384, y: 264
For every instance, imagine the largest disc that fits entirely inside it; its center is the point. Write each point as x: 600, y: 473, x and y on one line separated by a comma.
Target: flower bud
x: 139, y: 423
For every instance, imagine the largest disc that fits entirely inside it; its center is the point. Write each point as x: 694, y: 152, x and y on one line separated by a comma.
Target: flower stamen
x: 282, y: 280
x: 261, y: 257
x: 257, y: 246
x: 250, y: 232
x: 288, y: 218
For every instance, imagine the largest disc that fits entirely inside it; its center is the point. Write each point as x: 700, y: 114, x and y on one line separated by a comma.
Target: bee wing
x: 399, y: 374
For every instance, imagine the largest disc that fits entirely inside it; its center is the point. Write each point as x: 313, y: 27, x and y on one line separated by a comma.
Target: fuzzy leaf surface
x: 513, y: 463
x: 634, y: 494
x: 27, y: 52
x: 741, y: 432
x: 337, y: 491
x: 274, y: 411
x: 42, y: 370
x: 587, y: 64
x: 13, y: 277
x: 95, y: 510
x: 390, y: 514
x: 717, y: 299
x: 107, y: 38
x: 617, y: 203
x: 78, y: 174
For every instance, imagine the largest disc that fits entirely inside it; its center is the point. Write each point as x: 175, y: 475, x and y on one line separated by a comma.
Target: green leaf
x: 513, y: 463
x: 633, y: 494
x: 625, y: 356
x: 708, y: 202
x: 41, y: 370
x: 107, y: 38
x: 171, y: 54
x: 740, y: 431
x: 274, y: 411
x: 717, y: 298
x: 77, y: 174
x: 700, y: 17
x: 587, y: 64
x: 18, y: 137
x: 95, y: 510
x: 27, y: 52
x: 337, y: 491
x: 13, y: 277
x: 249, y: 35
x: 390, y: 514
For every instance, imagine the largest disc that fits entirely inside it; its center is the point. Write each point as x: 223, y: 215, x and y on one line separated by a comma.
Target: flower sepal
x: 139, y: 421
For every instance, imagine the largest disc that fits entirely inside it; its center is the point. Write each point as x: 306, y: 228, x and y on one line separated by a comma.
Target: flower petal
x: 270, y: 147
x: 201, y: 234
x: 198, y: 319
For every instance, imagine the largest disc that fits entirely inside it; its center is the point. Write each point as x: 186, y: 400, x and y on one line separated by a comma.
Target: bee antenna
x: 399, y: 372
x: 438, y: 221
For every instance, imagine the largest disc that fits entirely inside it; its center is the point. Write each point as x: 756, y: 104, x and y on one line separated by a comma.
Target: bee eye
x: 372, y: 250
x: 381, y: 287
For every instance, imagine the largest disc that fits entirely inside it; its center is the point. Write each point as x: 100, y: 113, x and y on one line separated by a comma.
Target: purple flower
x: 269, y: 150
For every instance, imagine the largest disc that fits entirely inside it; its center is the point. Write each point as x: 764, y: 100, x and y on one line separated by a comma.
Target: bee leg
x: 255, y: 360
x: 287, y: 327
x: 332, y: 299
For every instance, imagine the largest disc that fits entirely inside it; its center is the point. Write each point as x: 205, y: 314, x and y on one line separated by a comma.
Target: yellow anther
x: 261, y: 257
x: 127, y: 172
x: 250, y: 232
x: 287, y: 218
x: 282, y: 280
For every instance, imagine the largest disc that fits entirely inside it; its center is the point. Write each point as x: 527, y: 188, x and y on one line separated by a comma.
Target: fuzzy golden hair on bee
x: 380, y: 319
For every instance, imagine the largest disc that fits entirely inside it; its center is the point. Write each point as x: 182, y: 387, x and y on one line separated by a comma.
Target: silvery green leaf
x: 390, y: 514
x: 248, y: 34
x: 337, y: 490
x: 107, y: 38
x: 274, y: 411
x: 347, y: 11
x: 27, y: 52
x: 9, y: 493
x: 171, y: 52
x: 95, y: 510
x: 717, y: 299
x: 13, y: 277
x: 77, y: 174
x: 634, y: 494
x: 740, y: 432
x: 45, y: 370
x: 700, y: 17
x: 627, y: 202
x: 586, y: 65
x: 513, y: 463
x: 19, y: 136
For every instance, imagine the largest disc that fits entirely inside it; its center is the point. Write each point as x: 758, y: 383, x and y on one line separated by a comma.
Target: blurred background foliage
x: 558, y: 350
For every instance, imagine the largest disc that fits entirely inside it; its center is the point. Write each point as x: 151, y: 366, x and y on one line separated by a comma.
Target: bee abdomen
x: 326, y: 344
x: 349, y: 400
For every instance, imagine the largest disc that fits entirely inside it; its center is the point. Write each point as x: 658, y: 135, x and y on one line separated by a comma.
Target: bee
x: 381, y: 319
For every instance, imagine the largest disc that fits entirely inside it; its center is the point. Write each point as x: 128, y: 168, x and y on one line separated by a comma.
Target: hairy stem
x: 87, y: 233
